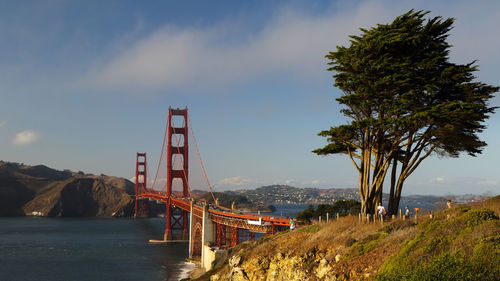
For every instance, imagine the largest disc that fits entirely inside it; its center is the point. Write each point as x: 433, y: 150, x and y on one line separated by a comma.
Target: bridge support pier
x: 208, y: 236
x: 191, y: 229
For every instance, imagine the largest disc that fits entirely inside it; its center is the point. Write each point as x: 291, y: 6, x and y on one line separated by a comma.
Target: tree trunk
x: 393, y: 207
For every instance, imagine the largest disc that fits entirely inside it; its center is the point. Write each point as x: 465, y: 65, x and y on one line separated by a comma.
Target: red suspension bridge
x: 189, y: 219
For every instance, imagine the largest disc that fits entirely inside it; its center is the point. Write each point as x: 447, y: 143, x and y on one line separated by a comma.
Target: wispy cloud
x: 235, y: 181
x: 488, y: 182
x: 25, y: 138
x: 293, y: 42
x: 438, y: 180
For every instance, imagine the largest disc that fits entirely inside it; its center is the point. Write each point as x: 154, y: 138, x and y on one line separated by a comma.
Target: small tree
x: 406, y: 102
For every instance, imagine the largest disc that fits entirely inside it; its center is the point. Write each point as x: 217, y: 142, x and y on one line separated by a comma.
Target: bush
x: 466, y: 246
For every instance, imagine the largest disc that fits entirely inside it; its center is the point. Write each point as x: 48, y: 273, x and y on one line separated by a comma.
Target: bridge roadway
x: 221, y: 215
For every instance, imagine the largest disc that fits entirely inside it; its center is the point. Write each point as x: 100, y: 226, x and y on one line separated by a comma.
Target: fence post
x: 400, y: 213
x: 327, y: 218
x: 338, y: 216
x: 319, y: 219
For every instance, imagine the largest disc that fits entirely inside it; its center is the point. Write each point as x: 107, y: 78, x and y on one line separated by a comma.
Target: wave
x: 185, y: 269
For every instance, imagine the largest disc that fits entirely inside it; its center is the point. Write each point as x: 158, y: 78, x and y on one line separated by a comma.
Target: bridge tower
x: 176, y: 218
x: 140, y: 183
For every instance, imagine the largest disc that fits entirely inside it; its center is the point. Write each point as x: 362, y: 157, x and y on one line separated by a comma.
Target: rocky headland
x: 42, y: 191
x: 462, y: 243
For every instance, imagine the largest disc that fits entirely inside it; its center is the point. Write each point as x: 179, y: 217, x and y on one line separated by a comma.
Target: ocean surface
x: 94, y: 249
x: 90, y: 249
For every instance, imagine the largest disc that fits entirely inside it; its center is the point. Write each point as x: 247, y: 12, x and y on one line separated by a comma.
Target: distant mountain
x: 40, y: 190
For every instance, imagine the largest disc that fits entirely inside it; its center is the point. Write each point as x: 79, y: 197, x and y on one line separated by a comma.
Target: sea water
x: 45, y: 249
x: 94, y: 249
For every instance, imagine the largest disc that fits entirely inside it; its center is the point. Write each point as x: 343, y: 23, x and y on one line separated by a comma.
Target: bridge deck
x: 221, y: 215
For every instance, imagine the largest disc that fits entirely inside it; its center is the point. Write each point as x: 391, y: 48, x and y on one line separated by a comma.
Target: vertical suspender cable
x: 199, y: 157
x: 161, y: 155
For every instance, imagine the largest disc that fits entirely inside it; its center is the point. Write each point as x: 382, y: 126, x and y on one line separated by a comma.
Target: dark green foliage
x: 478, y: 216
x: 405, y: 101
x: 342, y: 207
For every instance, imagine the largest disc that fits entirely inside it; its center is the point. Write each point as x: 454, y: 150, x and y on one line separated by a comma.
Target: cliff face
x: 82, y: 197
x: 456, y: 244
x: 26, y: 190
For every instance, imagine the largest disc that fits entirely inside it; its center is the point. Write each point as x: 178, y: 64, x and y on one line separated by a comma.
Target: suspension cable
x: 161, y: 155
x: 199, y: 157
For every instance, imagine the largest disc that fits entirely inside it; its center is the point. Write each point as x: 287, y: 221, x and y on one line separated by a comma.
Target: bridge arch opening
x: 197, y: 240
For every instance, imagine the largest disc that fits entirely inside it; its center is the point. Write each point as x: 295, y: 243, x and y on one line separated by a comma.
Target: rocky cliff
x: 40, y: 190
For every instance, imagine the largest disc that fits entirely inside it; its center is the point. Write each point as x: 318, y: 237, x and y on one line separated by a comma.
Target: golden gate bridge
x: 209, y: 228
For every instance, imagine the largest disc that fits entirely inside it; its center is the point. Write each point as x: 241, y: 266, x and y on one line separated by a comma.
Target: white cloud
x: 234, y: 181
x: 291, y: 43
x: 25, y: 138
x: 2, y: 123
x: 437, y: 180
x: 488, y: 182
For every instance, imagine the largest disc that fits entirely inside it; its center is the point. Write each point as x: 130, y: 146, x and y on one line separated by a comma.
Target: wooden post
x: 393, y: 217
x: 368, y: 218
x: 359, y: 215
x: 400, y: 213
x: 319, y: 219
x: 327, y: 219
x: 338, y: 216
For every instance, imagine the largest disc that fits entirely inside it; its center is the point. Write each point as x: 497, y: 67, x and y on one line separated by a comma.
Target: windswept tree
x: 406, y: 101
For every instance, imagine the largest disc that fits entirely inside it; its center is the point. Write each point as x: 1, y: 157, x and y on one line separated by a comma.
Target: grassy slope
x: 462, y: 243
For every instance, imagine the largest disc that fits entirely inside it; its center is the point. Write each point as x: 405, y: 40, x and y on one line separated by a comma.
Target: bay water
x: 94, y: 249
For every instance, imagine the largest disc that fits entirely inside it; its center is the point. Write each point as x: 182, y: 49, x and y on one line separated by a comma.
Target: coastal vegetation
x: 341, y: 207
x: 461, y: 243
x: 405, y: 101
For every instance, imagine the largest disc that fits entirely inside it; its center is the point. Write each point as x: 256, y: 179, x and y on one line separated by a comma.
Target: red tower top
x: 177, y: 149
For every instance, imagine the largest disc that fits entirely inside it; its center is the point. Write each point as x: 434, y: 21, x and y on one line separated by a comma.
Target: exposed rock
x: 234, y: 261
x: 338, y: 258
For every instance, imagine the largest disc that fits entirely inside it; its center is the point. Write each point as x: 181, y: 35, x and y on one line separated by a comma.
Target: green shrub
x: 366, y: 244
x: 476, y: 217
x: 431, y: 255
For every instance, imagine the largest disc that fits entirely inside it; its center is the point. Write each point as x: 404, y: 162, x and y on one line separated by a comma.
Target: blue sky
x: 84, y: 85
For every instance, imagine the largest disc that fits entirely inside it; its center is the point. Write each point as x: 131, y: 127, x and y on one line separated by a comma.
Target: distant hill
x: 40, y: 190
x: 285, y: 194
x: 227, y: 199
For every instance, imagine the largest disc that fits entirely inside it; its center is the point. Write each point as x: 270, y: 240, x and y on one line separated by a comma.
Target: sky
x: 84, y: 85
